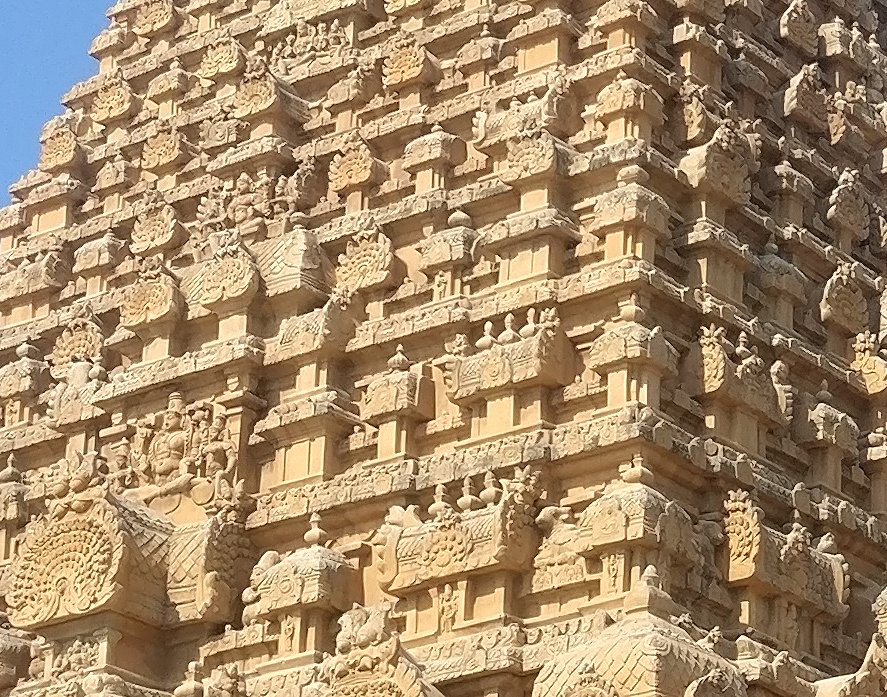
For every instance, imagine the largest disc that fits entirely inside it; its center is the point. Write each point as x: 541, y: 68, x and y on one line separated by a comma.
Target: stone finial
x: 316, y: 535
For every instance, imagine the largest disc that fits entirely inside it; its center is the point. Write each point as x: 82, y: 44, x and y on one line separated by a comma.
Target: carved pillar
x: 478, y: 57
x: 52, y: 206
x: 831, y: 437
x: 699, y: 52
x: 545, y: 40
x: 719, y: 174
x: 628, y: 29
x: 314, y: 413
x: 741, y: 399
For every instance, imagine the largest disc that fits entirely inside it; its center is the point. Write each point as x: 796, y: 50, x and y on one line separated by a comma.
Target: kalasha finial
x: 316, y: 535
x: 10, y: 473
x: 399, y: 361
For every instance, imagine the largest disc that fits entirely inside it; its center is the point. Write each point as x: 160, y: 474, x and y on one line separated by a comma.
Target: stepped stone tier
x: 452, y: 348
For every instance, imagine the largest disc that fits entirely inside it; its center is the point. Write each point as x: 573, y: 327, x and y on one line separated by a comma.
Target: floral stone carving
x: 154, y: 297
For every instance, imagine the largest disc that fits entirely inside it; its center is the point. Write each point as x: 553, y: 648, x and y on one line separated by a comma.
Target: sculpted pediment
x: 310, y: 578
x: 482, y: 533
x: 786, y: 562
x: 535, y: 354
x: 94, y: 551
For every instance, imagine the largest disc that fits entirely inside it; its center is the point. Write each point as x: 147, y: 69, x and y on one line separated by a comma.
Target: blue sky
x: 43, y: 50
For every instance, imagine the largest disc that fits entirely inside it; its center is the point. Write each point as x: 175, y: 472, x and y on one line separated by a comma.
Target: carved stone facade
x: 425, y: 348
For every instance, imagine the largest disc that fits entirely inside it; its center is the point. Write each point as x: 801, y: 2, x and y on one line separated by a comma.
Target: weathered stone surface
x: 410, y: 348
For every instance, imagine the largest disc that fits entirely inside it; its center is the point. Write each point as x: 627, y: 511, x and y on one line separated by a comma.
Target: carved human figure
x: 448, y: 608
x: 167, y: 449
x: 248, y: 205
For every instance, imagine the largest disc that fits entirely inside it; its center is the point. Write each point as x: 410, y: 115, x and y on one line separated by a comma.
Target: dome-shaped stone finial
x: 316, y: 535
x: 10, y: 473
x: 399, y: 361
x: 459, y: 218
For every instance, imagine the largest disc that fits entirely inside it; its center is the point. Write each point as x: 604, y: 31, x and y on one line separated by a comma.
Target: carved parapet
x: 764, y: 562
x: 634, y: 359
x: 431, y: 156
x: 532, y: 156
x: 450, y: 248
x: 94, y: 552
x: 646, y: 651
x: 799, y: 27
x: 368, y: 264
x: 401, y: 8
x: 60, y: 149
x: 627, y: 108
x: 538, y: 355
x: 831, y: 437
x: 154, y: 298
x: 632, y: 342
x: 805, y: 99
x: 482, y: 52
x: 868, y: 364
x: 165, y: 148
x: 633, y: 525
x: 325, y: 330
x: 722, y: 167
x: 47, y: 272
x: 848, y: 210
x: 311, y: 578
x: 157, y: 227
x: 171, y: 84
x: 822, y: 423
x: 82, y: 339
x: 155, y: 17
x: 370, y: 660
x: 73, y: 562
x: 355, y: 167
x: 631, y: 205
x: 260, y: 95
x: 400, y: 392
x: 24, y: 379
x: 230, y: 279
x: 98, y: 255
x: 15, y: 654
x: 114, y: 100
x: 494, y: 126
x: 490, y: 532
x: 284, y: 420
x: 295, y: 263
x: 533, y: 228
x: 782, y: 282
x: 222, y: 58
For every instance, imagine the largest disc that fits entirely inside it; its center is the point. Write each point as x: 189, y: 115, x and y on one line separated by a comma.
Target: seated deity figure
x: 248, y: 206
x: 168, y: 445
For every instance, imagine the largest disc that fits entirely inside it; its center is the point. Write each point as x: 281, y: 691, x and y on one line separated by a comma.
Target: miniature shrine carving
x: 452, y: 348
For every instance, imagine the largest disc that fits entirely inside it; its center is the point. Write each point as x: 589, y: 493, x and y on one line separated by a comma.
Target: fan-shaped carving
x: 65, y: 567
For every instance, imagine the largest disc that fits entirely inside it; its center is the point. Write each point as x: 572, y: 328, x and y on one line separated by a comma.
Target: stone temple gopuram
x: 452, y: 348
